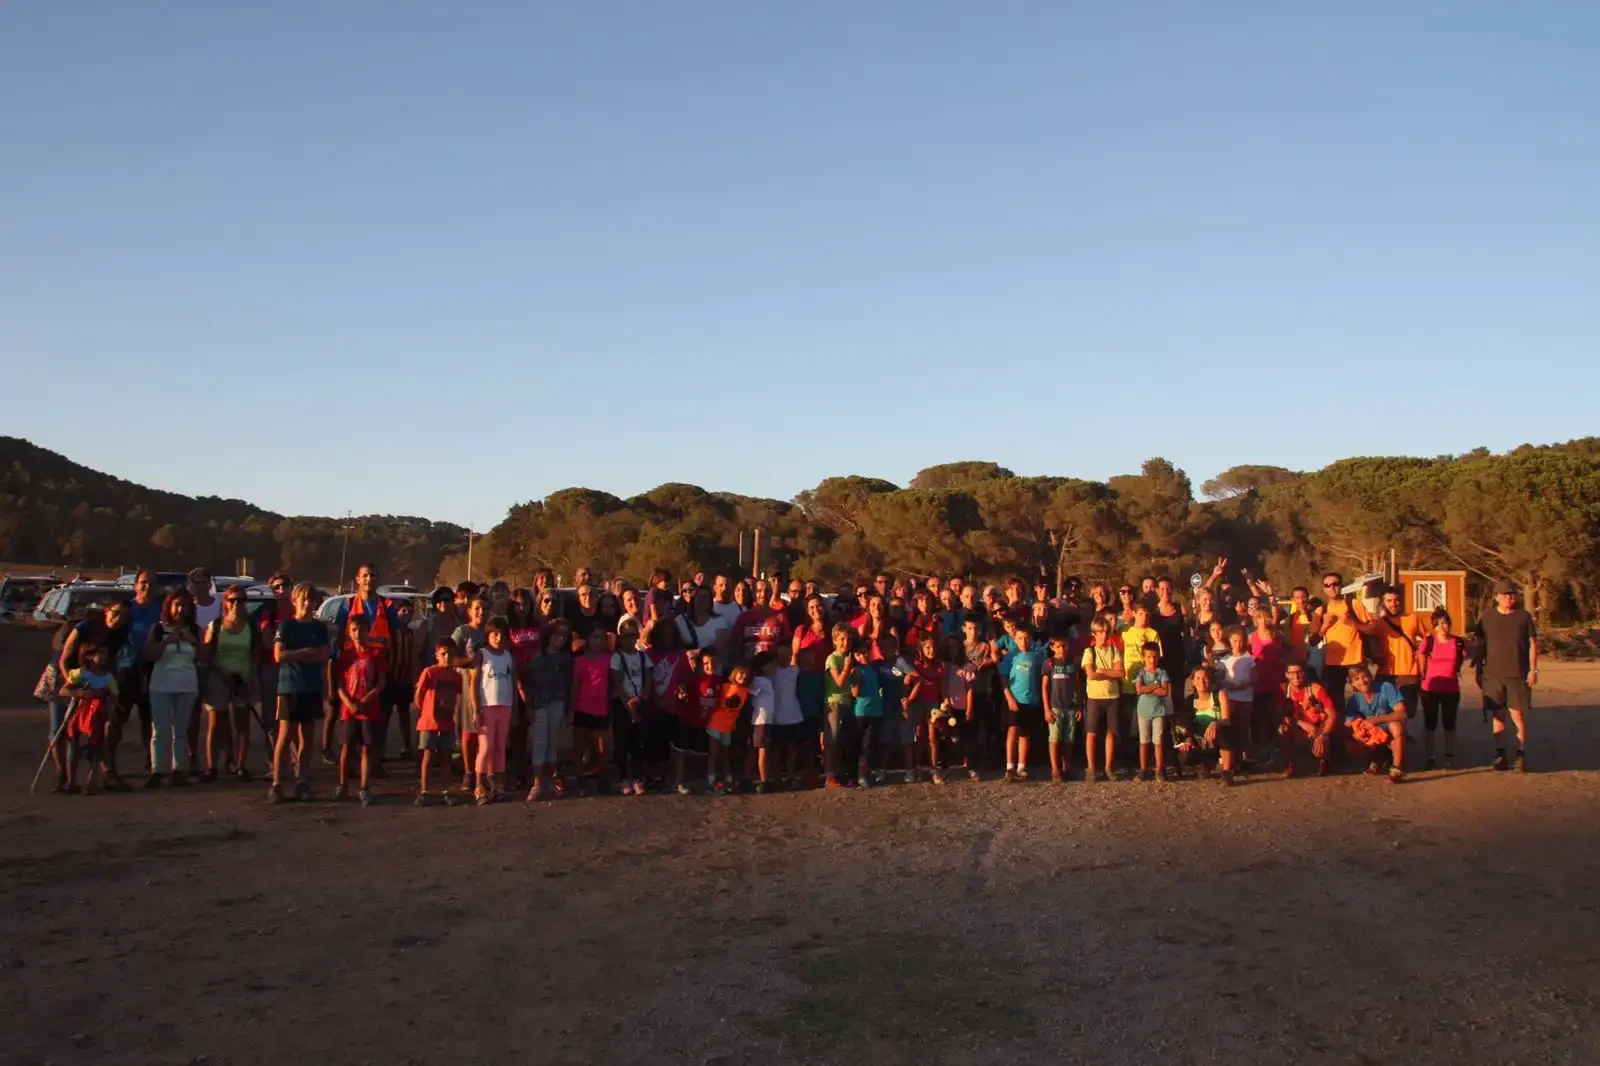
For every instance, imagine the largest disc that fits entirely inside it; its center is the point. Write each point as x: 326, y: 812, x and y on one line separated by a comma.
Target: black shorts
x: 1511, y: 693
x: 688, y: 739
x: 435, y: 741
x: 1234, y: 734
x: 1099, y: 715
x: 355, y: 733
x: 1026, y: 716
x: 299, y: 707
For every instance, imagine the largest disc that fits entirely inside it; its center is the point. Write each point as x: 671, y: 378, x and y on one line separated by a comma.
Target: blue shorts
x: 725, y: 739
x: 440, y: 743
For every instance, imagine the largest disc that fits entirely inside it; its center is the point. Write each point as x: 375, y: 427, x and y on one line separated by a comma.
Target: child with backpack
x: 93, y: 690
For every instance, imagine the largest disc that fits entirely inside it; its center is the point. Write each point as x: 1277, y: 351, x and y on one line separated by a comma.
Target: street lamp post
x: 344, y: 549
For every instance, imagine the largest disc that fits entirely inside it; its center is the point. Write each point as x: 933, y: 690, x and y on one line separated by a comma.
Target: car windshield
x: 24, y: 590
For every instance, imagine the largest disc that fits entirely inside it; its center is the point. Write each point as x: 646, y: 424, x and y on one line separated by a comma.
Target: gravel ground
x: 1449, y: 919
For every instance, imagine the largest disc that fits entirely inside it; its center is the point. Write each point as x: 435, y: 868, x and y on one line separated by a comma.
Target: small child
x: 696, y: 704
x: 1154, y: 689
x: 94, y: 690
x: 957, y: 720
x: 360, y: 674
x: 437, y: 694
x: 838, y: 691
x: 791, y: 718
x: 925, y: 697
x: 1102, y: 671
x: 591, y: 708
x: 1022, y: 672
x: 1061, y: 709
x: 867, y: 692
x: 498, y: 689
x: 763, y: 716
x: 732, y: 701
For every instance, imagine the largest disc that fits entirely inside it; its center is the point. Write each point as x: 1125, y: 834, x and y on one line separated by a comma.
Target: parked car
x: 20, y: 594
x: 74, y: 602
x: 162, y: 582
x: 328, y: 613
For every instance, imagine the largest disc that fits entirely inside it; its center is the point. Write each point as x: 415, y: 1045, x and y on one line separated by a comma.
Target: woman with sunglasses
x: 228, y: 656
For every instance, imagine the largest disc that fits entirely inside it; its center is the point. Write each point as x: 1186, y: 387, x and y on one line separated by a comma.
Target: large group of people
x: 721, y: 683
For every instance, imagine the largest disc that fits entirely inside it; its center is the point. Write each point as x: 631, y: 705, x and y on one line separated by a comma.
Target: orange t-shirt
x: 1400, y: 636
x: 1341, y: 642
x: 730, y: 705
x: 438, y: 692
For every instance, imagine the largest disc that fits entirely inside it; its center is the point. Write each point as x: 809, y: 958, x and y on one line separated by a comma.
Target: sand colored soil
x: 1450, y: 919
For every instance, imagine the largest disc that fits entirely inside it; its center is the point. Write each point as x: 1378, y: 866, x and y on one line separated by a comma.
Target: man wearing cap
x: 1510, y: 653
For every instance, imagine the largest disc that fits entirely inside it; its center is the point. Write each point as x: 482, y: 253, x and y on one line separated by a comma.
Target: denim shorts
x: 436, y: 741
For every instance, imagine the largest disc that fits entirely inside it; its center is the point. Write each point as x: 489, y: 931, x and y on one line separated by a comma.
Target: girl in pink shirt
x: 591, y: 711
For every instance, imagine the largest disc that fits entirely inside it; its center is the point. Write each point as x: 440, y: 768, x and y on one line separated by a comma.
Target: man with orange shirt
x: 1339, y: 627
x: 1399, y: 635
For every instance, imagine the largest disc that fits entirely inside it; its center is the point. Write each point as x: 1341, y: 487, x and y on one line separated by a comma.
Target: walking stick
x: 66, y: 720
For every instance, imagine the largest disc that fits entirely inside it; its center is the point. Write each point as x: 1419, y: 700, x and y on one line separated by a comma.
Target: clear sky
x: 440, y: 258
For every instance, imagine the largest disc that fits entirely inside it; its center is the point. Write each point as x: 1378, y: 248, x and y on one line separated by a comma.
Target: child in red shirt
x: 697, y: 698
x: 361, y: 676
x: 437, y: 694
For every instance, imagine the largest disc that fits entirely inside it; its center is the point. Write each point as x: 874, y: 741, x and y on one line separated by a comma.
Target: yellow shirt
x: 1133, y: 641
x: 1100, y: 659
x: 1341, y: 642
x: 1399, y: 658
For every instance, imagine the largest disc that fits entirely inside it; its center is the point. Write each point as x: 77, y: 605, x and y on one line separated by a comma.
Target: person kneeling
x: 1375, y: 719
x: 1310, y: 722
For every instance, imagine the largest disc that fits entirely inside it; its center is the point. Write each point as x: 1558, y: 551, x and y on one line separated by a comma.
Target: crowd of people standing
x: 721, y: 682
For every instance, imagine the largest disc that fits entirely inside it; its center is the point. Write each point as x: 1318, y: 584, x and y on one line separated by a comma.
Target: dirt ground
x: 1453, y: 918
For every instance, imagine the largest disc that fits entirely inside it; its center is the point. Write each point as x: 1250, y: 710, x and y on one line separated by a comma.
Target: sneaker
x: 302, y: 790
x: 720, y: 788
x: 153, y: 781
x: 761, y: 788
x: 177, y: 779
x: 208, y: 778
x: 1427, y: 765
x: 1499, y: 761
x: 1102, y: 775
x: 972, y: 775
x: 327, y: 757
x: 1227, y: 779
x: 1288, y: 770
x: 365, y: 795
x: 1449, y: 762
x: 340, y: 793
x: 685, y: 790
x: 1011, y: 775
x: 638, y: 788
x: 1522, y: 763
x: 1324, y: 768
x: 421, y: 800
x: 938, y: 778
x: 1396, y: 775
x: 863, y: 782
x: 481, y: 797
x: 1146, y: 775
x: 275, y: 794
x: 449, y: 798
x: 833, y: 782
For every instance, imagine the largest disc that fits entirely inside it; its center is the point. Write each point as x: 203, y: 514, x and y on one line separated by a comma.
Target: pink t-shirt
x: 1443, y: 659
x: 591, y: 679
x: 1271, y: 659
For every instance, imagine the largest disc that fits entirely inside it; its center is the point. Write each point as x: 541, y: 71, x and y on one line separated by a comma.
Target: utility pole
x: 344, y: 549
x: 469, y: 553
x: 755, y: 552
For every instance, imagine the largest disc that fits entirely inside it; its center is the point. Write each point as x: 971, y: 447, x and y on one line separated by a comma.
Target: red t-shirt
x: 1311, y: 705
x: 525, y: 644
x: 360, y: 674
x: 760, y: 629
x: 929, y: 675
x: 1271, y: 660
x: 814, y: 650
x: 438, y: 694
x: 669, y: 672
x: 920, y: 626
x: 704, y: 691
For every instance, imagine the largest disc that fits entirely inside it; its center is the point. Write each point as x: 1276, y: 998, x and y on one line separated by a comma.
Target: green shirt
x: 834, y: 693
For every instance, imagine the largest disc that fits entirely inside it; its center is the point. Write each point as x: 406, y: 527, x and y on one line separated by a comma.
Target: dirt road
x: 1453, y: 918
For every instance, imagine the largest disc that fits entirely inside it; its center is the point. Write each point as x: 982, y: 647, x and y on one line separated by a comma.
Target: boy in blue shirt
x: 1154, y: 690
x: 1021, y: 671
x: 868, y: 693
x: 1376, y: 719
x: 1062, y: 708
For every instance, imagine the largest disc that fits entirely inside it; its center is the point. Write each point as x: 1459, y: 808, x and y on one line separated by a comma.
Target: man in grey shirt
x: 1510, y: 656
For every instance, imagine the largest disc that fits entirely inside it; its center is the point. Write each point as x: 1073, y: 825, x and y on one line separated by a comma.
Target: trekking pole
x: 66, y: 719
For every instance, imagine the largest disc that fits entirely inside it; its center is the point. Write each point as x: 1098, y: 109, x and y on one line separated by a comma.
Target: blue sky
x: 753, y: 245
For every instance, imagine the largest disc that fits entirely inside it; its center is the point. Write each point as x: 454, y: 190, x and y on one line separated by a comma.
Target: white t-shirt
x: 763, y: 702
x: 631, y: 665
x: 497, y: 679
x: 206, y: 613
x: 787, y: 683
x: 703, y: 636
x: 1239, y: 677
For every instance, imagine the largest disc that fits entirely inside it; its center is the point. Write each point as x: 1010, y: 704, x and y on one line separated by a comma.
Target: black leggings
x: 1437, y: 705
x: 629, y: 741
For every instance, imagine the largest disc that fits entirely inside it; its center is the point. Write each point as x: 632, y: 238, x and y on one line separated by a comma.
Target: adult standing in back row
x: 1510, y: 669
